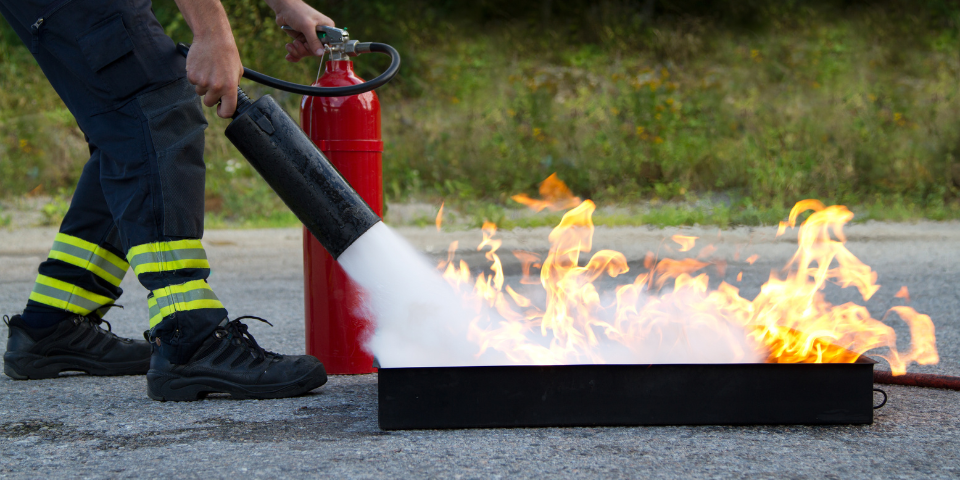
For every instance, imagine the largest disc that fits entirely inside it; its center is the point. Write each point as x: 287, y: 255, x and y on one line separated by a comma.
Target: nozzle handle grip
x: 183, y: 49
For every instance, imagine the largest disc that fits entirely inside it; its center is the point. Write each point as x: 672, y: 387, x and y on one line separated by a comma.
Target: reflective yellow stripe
x: 86, y: 264
x: 62, y: 295
x: 183, y: 307
x: 170, y: 266
x: 57, y: 303
x: 167, y: 256
x: 164, y: 247
x: 89, y: 256
x: 154, y: 311
x: 102, y: 311
x: 92, y: 247
x: 193, y: 295
x: 75, y: 290
x: 182, y: 288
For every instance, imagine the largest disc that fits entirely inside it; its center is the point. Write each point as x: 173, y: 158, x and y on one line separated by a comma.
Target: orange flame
x: 782, y: 228
x: 789, y: 321
x: 686, y: 243
x: 903, y: 293
x: 527, y: 260
x: 555, y: 194
x: 440, y: 217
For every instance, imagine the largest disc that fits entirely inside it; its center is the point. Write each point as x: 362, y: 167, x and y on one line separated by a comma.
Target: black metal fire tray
x: 608, y: 395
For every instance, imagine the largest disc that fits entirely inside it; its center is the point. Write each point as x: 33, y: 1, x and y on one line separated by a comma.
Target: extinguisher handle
x: 183, y: 49
x: 347, y: 91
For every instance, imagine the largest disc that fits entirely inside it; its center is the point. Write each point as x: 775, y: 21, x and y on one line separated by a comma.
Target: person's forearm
x: 206, y: 18
x: 276, y: 5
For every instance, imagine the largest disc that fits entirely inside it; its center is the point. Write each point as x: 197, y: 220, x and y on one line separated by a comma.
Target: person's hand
x: 213, y: 66
x: 305, y: 20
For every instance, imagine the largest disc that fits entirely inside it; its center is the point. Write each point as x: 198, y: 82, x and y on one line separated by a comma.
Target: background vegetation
x: 691, y: 111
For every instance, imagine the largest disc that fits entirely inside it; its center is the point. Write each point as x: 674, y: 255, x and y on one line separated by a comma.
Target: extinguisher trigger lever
x: 337, y: 41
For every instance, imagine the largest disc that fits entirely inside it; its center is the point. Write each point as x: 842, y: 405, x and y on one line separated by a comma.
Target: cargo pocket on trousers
x: 176, y: 124
x: 109, y: 52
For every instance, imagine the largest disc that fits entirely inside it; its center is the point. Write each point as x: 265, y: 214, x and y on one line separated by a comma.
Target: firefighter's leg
x: 124, y: 82
x: 163, y: 232
x: 61, y: 328
x: 86, y: 264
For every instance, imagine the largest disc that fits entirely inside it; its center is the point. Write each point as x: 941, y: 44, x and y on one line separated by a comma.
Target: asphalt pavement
x: 79, y: 426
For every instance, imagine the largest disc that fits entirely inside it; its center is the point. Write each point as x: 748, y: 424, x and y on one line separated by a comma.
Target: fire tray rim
x: 862, y: 359
x: 626, y: 395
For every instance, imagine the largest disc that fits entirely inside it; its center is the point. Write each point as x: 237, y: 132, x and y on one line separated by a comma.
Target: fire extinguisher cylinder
x: 302, y: 176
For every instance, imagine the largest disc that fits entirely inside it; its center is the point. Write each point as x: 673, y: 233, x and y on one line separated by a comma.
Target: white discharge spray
x: 421, y: 321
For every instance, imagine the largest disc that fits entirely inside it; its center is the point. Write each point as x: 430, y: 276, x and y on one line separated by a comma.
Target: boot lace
x: 240, y: 331
x: 96, y: 321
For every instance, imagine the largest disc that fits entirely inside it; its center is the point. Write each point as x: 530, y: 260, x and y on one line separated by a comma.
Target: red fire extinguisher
x: 347, y: 131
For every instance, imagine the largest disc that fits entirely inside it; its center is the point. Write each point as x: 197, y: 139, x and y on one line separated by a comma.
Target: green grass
x: 818, y: 111
x: 274, y: 219
x: 854, y: 105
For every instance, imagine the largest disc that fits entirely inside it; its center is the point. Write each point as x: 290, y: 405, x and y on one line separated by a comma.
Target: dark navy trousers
x: 139, y: 200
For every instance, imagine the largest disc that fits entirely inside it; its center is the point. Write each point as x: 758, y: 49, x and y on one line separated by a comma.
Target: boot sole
x: 28, y: 366
x: 166, y: 387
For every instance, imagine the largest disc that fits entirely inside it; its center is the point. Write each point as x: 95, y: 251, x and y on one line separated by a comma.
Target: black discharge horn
x: 292, y: 165
x: 306, y: 181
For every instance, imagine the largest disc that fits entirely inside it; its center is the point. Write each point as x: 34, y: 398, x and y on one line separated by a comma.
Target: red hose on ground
x: 917, y: 380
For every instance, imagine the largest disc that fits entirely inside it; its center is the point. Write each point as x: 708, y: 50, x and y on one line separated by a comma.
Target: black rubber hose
x: 347, y: 91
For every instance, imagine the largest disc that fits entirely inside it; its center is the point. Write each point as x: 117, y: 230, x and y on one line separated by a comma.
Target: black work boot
x: 231, y: 361
x: 75, y: 344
